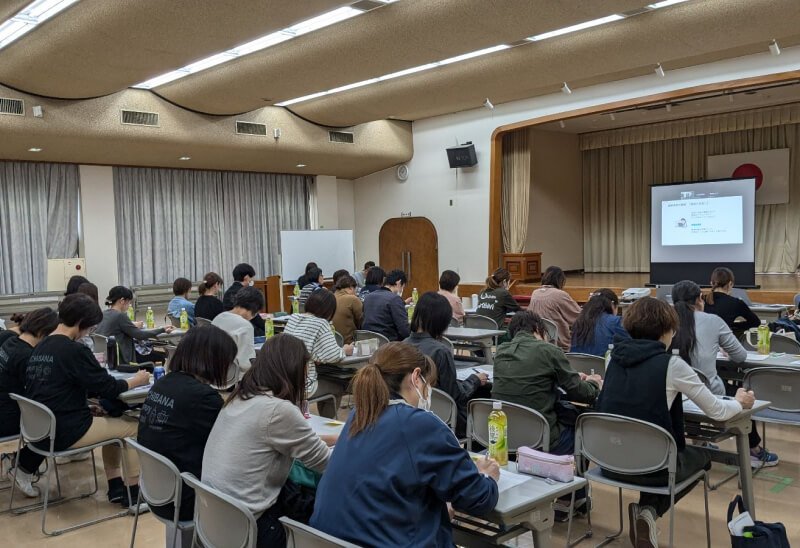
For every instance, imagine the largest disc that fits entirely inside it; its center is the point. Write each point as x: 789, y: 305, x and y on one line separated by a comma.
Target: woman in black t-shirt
x: 495, y: 300
x: 721, y: 303
x: 181, y: 407
x: 208, y: 305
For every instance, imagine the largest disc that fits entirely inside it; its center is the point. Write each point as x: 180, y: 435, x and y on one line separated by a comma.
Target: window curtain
x: 183, y: 223
x: 515, y: 191
x: 39, y: 208
x: 616, y: 198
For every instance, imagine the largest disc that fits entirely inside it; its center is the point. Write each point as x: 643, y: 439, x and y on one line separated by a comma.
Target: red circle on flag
x: 749, y: 170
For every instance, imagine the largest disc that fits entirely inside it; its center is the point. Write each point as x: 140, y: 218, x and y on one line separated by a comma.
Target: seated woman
x: 115, y: 323
x: 314, y: 329
x: 349, y: 309
x: 494, y: 300
x: 448, y: 287
x: 373, y: 281
x: 14, y: 355
x: 431, y: 319
x: 237, y: 324
x: 699, y: 339
x: 314, y: 280
x: 396, y: 467
x: 181, y: 407
x: 208, y: 305
x: 597, y: 324
x: 303, y: 280
x: 643, y: 381
x: 552, y: 302
x: 181, y: 288
x: 61, y: 374
x: 260, y: 432
x: 720, y: 302
x: 12, y: 328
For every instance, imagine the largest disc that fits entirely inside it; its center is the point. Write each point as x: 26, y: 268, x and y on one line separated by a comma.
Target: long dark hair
x: 206, y: 352
x: 684, y: 297
x: 554, y: 276
x: 280, y: 368
x: 432, y: 315
x: 720, y: 277
x: 600, y: 302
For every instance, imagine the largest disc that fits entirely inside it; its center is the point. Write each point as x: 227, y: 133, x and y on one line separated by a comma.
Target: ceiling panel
x: 98, y: 47
x: 683, y: 35
x: 9, y: 8
x: 398, y: 36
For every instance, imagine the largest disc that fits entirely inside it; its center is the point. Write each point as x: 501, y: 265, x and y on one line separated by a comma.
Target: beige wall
x: 555, y: 220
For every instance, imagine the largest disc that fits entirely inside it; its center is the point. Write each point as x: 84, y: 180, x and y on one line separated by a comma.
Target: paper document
x: 509, y: 480
x: 756, y: 357
x: 462, y: 374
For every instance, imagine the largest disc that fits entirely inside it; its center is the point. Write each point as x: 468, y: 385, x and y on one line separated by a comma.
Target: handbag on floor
x: 758, y: 535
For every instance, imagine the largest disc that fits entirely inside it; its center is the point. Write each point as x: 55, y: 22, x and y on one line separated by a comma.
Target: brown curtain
x: 516, y: 190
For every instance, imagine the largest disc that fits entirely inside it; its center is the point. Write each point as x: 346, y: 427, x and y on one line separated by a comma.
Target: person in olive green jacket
x: 528, y: 371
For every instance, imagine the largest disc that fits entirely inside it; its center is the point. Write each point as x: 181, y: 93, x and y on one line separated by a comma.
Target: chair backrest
x: 160, y: 480
x: 586, y: 363
x: 779, y: 385
x: 745, y: 343
x: 526, y: 426
x: 364, y: 335
x: 552, y: 330
x: 741, y: 294
x: 664, y: 292
x: 624, y: 445
x: 475, y: 321
x: 220, y: 521
x: 36, y: 421
x: 339, y: 338
x: 454, y: 323
x: 100, y: 342
x: 444, y: 407
x: 300, y: 535
x: 202, y: 321
x: 702, y: 376
x: 176, y: 322
x: 782, y: 343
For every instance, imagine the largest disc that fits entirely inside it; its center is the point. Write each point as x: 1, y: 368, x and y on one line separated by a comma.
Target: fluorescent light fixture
x: 612, y: 116
x: 34, y: 149
x: 185, y: 158
x: 565, y: 89
x: 660, y: 70
x: 473, y: 54
x: 261, y: 43
x: 575, y: 28
x: 774, y: 48
x: 301, y: 165
x: 664, y: 4
x: 562, y: 124
x: 488, y: 104
x: 29, y: 17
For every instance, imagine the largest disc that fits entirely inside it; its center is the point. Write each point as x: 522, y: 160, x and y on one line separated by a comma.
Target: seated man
x: 385, y: 311
x: 237, y: 324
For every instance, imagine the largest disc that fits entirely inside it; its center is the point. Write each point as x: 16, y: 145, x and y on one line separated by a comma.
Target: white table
x: 484, y: 338
x: 135, y: 395
x: 769, y: 311
x: 736, y: 371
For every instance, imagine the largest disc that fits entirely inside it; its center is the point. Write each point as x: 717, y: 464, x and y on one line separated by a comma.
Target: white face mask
x: 423, y: 403
x: 251, y: 283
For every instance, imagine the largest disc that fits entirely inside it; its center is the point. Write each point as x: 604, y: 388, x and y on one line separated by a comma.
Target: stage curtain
x: 616, y: 198
x: 516, y: 191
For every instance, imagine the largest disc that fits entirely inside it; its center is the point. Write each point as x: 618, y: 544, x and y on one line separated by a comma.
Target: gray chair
x: 364, y: 335
x: 176, y: 322
x: 745, y: 343
x: 339, y: 338
x: 476, y: 321
x: 782, y: 343
x: 552, y: 331
x: 633, y: 447
x: 202, y: 321
x: 444, y: 407
x: 38, y: 423
x: 780, y: 386
x: 220, y: 521
x: 526, y: 426
x: 664, y: 293
x: 3, y: 457
x: 454, y: 323
x: 100, y: 342
x: 160, y: 484
x: 741, y: 294
x: 299, y: 535
x: 587, y: 364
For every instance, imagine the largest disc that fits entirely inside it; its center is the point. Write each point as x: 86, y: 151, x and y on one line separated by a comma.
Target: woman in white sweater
x: 260, y: 432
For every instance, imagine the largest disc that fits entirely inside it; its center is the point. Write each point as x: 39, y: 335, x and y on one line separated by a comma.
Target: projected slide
x: 702, y: 221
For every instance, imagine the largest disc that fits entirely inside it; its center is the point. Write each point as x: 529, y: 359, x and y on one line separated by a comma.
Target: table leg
x: 745, y: 472
x: 541, y: 526
x: 487, y: 351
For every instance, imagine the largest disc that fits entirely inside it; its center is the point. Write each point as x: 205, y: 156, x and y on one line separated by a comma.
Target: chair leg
x: 671, y: 516
x: 136, y: 520
x: 47, y: 498
x: 708, y: 521
x: 617, y: 533
x: 588, y: 534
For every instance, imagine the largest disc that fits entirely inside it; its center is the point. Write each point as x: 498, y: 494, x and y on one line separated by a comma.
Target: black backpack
x: 760, y: 535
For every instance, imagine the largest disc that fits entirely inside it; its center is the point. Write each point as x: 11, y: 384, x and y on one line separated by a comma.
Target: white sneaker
x: 23, y: 481
x: 74, y: 458
x: 646, y: 531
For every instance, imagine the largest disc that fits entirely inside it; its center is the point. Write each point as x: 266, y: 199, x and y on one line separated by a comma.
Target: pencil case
x: 537, y: 463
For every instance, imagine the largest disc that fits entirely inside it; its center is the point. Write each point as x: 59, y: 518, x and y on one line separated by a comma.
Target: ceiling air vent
x: 340, y: 137
x: 15, y: 107
x: 139, y: 118
x: 250, y: 128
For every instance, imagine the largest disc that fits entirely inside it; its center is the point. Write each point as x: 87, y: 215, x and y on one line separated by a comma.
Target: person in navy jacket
x: 397, y: 467
x: 385, y: 310
x: 598, y: 324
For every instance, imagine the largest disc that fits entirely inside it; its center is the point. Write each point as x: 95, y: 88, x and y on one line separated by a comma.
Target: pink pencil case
x: 537, y: 463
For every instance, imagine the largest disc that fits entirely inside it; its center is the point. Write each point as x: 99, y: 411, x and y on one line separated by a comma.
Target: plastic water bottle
x: 131, y: 313
x: 498, y: 434
x: 607, y: 358
x: 763, y: 338
x: 150, y: 318
x: 184, y: 319
x: 112, y: 359
x: 410, y: 311
x: 415, y: 296
x: 296, y: 300
x: 269, y: 327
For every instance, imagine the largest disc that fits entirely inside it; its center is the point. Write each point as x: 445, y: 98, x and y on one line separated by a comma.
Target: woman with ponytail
x: 719, y: 301
x: 399, y: 465
x: 495, y: 300
x: 598, y: 324
x: 208, y: 305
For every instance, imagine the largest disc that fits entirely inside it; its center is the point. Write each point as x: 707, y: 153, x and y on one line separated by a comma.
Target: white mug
x: 466, y: 302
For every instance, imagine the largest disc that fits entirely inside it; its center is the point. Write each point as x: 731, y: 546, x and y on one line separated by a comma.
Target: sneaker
x: 74, y: 458
x: 116, y: 490
x: 633, y: 513
x: 760, y: 457
x: 646, y: 531
x: 23, y: 481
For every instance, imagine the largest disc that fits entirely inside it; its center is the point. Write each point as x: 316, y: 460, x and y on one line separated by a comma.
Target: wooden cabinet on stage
x: 524, y: 267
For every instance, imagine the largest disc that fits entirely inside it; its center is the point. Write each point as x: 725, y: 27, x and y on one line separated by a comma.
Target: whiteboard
x: 330, y: 249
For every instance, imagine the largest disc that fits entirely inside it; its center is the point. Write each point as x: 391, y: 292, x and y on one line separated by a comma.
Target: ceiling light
x: 34, y: 149
x: 301, y: 165
x: 488, y: 104
x: 660, y: 70
x: 562, y: 124
x: 574, y: 28
x: 664, y: 4
x: 774, y: 48
x: 263, y: 42
x: 29, y: 17
x: 184, y: 158
x: 565, y: 89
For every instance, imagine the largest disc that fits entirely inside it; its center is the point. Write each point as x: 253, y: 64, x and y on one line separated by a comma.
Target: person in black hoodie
x: 62, y: 372
x: 721, y: 303
x: 643, y: 381
x: 243, y: 274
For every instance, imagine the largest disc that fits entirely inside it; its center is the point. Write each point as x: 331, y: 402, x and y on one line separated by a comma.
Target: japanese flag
x: 770, y: 168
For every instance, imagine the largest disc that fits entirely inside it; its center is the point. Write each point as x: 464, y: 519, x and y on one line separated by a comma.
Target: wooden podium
x: 524, y: 267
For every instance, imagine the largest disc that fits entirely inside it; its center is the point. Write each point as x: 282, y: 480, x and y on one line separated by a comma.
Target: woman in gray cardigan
x: 699, y: 338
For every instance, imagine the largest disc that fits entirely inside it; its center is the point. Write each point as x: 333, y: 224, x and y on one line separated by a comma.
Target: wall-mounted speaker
x: 462, y: 155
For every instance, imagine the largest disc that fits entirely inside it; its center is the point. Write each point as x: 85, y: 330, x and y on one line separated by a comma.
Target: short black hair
x: 449, y: 280
x: 40, y: 323
x: 339, y: 274
x: 181, y: 286
x: 118, y: 292
x: 432, y: 314
x: 205, y: 352
x: 90, y: 289
x: 395, y: 276
x: 249, y: 298
x: 79, y: 310
x: 310, y: 265
x: 346, y: 282
x: 368, y: 265
x: 375, y: 276
x: 526, y: 322
x: 74, y: 283
x: 312, y: 276
x: 322, y: 304
x: 241, y: 270
x: 554, y: 276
